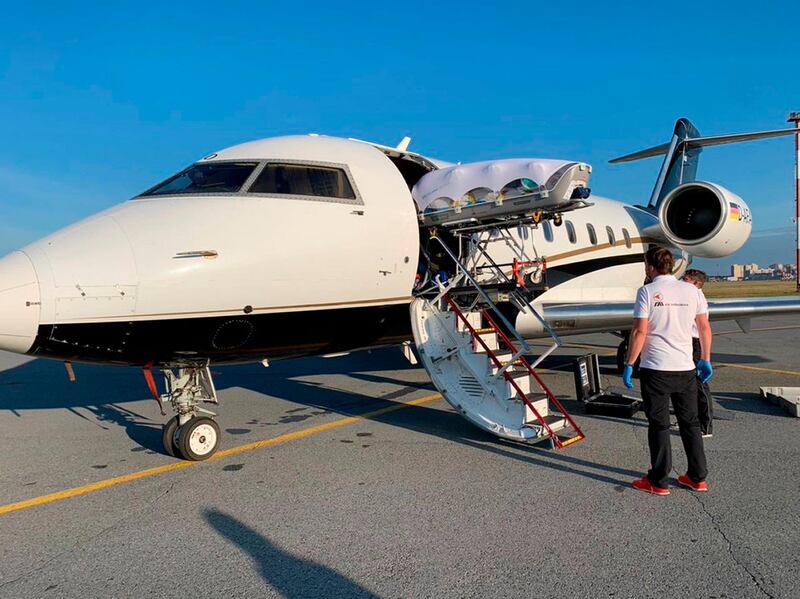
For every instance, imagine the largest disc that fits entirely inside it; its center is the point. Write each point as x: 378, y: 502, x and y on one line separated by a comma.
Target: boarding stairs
x: 480, y: 363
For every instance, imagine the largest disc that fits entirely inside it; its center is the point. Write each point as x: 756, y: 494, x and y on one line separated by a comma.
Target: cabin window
x: 573, y: 238
x: 206, y: 178
x: 592, y: 234
x: 303, y: 180
x: 627, y: 237
x: 611, y: 238
x: 548, y: 230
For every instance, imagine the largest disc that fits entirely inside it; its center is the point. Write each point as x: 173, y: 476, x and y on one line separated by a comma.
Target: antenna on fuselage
x: 403, y: 145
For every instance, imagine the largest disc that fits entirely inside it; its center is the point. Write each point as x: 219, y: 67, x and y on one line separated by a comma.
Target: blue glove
x: 704, y: 371
x: 627, y: 372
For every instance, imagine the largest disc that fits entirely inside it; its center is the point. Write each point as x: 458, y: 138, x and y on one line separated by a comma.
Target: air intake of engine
x: 705, y: 219
x: 693, y: 213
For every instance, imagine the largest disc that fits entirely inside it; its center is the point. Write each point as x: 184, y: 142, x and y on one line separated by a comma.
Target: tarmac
x: 351, y: 477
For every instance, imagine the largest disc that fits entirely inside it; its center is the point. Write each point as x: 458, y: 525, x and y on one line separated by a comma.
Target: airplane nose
x: 19, y: 303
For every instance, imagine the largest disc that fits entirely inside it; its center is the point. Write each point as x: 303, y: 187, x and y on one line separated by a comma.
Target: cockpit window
x: 303, y: 180
x: 206, y: 178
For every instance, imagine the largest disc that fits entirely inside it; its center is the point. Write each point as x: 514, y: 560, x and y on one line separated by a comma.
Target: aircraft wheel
x: 198, y: 439
x: 168, y: 437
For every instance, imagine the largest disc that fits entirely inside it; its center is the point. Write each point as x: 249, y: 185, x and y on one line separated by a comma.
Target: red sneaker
x: 687, y: 482
x: 644, y: 484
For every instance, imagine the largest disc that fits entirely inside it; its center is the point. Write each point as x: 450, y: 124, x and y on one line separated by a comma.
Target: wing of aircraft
x: 579, y: 318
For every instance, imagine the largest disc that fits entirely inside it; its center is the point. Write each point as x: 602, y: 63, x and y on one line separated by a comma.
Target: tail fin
x: 683, y: 154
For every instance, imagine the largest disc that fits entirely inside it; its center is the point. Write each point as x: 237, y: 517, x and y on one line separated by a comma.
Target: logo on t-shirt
x: 659, y: 300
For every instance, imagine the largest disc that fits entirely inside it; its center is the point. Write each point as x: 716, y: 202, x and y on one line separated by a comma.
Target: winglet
x: 403, y: 145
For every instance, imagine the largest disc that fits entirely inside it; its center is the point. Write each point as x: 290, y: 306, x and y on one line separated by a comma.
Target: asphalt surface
x: 412, y: 502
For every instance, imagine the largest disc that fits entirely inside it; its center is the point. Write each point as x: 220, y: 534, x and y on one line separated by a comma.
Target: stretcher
x: 501, y: 189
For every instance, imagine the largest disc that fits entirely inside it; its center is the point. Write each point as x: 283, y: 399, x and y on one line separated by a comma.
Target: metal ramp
x: 481, y: 364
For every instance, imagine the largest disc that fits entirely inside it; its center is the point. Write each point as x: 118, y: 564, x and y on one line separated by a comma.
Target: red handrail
x: 507, y: 376
x: 533, y: 373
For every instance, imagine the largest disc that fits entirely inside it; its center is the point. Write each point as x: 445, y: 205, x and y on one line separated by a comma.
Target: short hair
x: 661, y: 259
x: 695, y: 275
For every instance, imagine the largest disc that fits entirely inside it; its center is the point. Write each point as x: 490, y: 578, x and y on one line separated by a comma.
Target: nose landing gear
x: 192, y: 433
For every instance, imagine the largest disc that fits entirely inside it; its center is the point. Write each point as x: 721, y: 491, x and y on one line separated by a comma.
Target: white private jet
x: 309, y: 245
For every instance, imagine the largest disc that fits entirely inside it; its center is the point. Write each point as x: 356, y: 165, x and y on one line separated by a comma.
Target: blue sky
x: 98, y: 102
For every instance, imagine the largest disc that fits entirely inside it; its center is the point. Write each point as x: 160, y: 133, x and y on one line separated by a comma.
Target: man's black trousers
x: 658, y: 388
x: 705, y: 410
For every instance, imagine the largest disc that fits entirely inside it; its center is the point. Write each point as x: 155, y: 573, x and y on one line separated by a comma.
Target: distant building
x: 764, y: 274
x: 737, y: 272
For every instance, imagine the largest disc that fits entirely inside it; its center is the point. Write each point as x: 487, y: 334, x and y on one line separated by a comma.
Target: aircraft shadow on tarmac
x: 100, y: 390
x: 752, y: 403
x: 289, y: 575
x: 41, y: 384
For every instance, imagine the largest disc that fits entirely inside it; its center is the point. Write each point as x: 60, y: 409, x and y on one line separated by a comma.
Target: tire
x: 199, y: 439
x: 168, y: 437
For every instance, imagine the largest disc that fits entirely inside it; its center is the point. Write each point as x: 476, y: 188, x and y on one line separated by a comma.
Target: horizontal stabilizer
x: 699, y: 142
x: 648, y: 153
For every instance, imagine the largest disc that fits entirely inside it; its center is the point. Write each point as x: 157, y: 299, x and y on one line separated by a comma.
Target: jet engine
x: 705, y: 219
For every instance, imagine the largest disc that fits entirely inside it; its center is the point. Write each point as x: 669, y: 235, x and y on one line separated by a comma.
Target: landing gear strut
x: 192, y: 433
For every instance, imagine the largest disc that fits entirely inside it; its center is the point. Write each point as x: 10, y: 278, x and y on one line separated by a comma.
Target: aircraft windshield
x: 210, y: 177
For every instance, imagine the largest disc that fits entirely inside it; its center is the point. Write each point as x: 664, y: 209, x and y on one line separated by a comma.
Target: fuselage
x: 167, y: 278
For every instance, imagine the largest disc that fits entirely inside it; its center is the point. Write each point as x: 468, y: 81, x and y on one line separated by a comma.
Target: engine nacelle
x: 705, y: 219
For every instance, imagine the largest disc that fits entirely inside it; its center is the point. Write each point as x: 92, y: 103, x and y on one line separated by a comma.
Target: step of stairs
x: 474, y: 319
x: 555, y: 421
x: 504, y: 358
x: 508, y: 405
x: 490, y: 339
x: 542, y: 405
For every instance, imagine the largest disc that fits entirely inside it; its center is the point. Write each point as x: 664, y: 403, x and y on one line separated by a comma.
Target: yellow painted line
x: 126, y: 478
x: 757, y: 368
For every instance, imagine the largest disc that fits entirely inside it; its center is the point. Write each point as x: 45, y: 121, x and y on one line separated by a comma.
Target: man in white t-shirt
x: 663, y: 316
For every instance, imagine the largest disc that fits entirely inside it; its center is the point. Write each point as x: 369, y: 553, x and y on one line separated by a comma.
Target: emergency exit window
x: 302, y: 180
